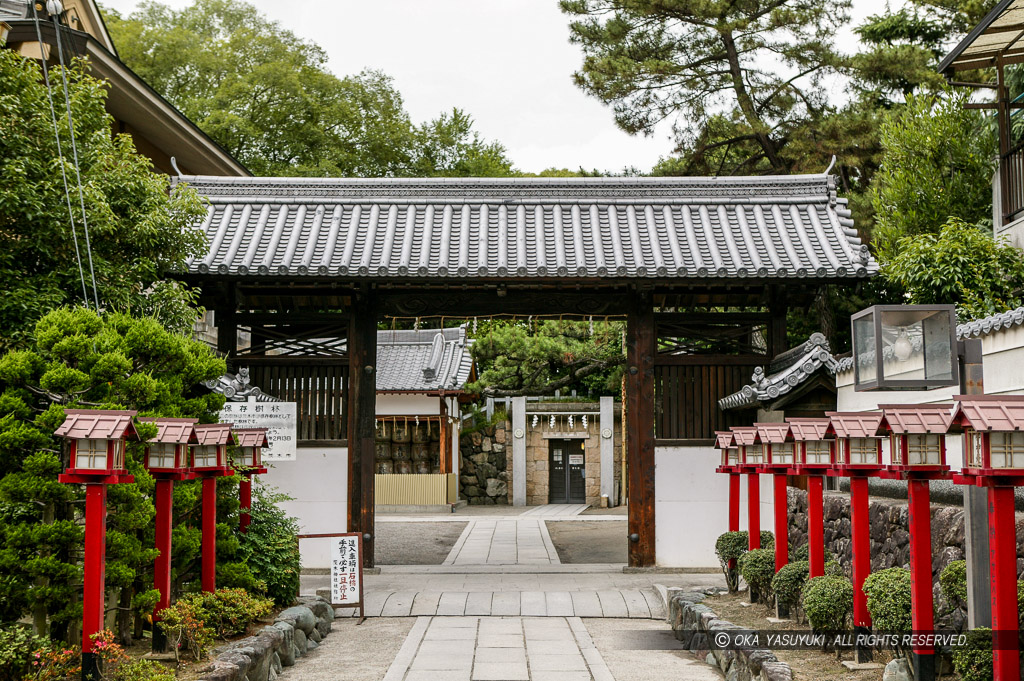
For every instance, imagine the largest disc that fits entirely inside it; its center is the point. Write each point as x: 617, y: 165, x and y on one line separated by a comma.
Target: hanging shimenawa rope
x: 60, y: 155
x: 55, y: 8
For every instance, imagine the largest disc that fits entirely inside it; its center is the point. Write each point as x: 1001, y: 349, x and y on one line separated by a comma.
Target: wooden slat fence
x: 318, y: 386
x: 686, y: 398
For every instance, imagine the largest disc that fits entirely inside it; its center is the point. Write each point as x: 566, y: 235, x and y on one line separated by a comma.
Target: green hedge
x: 788, y: 583
x: 888, y: 594
x: 828, y: 602
x: 758, y: 569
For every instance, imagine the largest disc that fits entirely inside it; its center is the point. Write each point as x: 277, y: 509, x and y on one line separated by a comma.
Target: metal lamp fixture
x: 905, y: 347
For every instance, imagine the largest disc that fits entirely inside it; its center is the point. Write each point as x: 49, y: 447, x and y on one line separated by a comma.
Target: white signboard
x: 279, y: 418
x: 346, y: 570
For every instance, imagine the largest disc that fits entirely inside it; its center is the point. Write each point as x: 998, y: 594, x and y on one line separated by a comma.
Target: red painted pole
x: 734, y: 509
x: 816, y: 525
x: 244, y: 502
x: 781, y: 521
x: 162, y: 565
x: 921, y: 608
x: 861, y: 549
x: 1003, y: 570
x: 209, y: 553
x: 95, y: 573
x: 753, y: 511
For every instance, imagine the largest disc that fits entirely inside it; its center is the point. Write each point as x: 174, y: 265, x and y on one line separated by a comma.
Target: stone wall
x: 695, y: 626
x: 261, y: 657
x: 484, y: 475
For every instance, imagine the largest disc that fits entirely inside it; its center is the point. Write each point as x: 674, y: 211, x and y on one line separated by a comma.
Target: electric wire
x: 60, y: 156
x: 74, y: 152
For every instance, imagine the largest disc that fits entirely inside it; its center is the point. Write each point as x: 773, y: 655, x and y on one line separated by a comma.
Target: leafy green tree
x: 449, y: 147
x: 520, y: 358
x: 961, y: 264
x: 79, y: 359
x: 759, y: 64
x: 936, y: 165
x: 137, y: 230
x: 899, y: 52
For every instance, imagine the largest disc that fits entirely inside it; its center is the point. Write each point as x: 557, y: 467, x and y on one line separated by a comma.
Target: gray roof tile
x: 621, y: 228
x: 789, y: 370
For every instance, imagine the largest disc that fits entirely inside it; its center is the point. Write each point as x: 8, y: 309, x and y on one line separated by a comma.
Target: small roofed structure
x: 918, y: 438
x: 97, y: 443
x: 423, y: 360
x: 167, y: 454
x: 209, y: 455
x: 751, y: 449
x: 993, y: 428
x: 252, y: 441
x: 813, y: 450
x: 779, y: 445
x: 726, y: 442
x: 858, y: 445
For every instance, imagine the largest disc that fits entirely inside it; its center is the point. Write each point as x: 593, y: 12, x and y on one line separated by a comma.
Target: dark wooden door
x: 566, y: 472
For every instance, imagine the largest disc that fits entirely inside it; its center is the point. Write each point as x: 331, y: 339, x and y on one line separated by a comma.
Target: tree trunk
x: 39, y: 610
x: 747, y: 104
x: 123, y: 618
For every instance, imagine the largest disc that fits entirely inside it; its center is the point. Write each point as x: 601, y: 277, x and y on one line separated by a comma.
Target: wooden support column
x: 445, y: 459
x: 224, y: 319
x: 362, y: 407
x: 777, y: 342
x: 641, y: 348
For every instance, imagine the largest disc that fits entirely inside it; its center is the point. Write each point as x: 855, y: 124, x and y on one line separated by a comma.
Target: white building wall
x: 691, y: 506
x: 317, y: 481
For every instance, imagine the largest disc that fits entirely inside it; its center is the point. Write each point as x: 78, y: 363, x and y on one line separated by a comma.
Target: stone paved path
x: 515, y: 541
x: 498, y: 649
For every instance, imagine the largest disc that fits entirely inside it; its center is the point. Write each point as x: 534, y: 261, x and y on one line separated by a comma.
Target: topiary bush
x: 730, y: 546
x: 953, y: 581
x: 888, y: 594
x: 973, y: 662
x: 758, y: 569
x: 828, y: 602
x: 788, y: 583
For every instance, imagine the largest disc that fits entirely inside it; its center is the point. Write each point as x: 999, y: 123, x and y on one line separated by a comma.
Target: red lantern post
x: 725, y: 441
x: 751, y: 458
x: 813, y: 459
x: 779, y: 457
x: 993, y: 428
x: 167, y: 459
x: 251, y: 441
x: 97, y: 459
x: 858, y: 456
x: 209, y: 462
x: 917, y: 454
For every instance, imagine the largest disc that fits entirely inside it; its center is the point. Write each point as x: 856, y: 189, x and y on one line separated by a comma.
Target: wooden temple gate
x: 311, y: 267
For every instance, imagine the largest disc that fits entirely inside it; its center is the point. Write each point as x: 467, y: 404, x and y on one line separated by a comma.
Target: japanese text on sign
x: 279, y: 418
x: 346, y: 564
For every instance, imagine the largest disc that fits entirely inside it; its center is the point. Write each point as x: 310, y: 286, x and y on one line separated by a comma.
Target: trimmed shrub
x: 888, y: 594
x: 828, y: 602
x: 730, y: 546
x: 953, y: 580
x: 269, y: 548
x: 758, y: 569
x: 229, y: 612
x: 973, y: 662
x: 788, y: 583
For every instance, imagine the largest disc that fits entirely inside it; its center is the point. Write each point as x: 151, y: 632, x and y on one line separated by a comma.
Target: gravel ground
x: 641, y: 650
x: 421, y: 543
x: 580, y: 541
x: 353, y: 653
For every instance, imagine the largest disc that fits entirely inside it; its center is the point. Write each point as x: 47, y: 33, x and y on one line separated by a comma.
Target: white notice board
x: 279, y: 418
x: 347, y: 570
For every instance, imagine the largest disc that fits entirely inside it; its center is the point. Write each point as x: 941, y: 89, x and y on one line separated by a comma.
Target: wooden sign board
x: 347, y: 572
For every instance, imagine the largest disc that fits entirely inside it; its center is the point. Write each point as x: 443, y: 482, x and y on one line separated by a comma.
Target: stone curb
x: 693, y: 623
x: 262, y: 656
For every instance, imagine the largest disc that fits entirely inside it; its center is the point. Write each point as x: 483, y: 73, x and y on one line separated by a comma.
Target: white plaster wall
x: 318, y: 483
x: 691, y: 506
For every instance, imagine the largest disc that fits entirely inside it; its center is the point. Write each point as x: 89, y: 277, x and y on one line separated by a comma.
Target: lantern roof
x: 745, y: 435
x: 915, y: 418
x: 853, y: 423
x: 251, y: 437
x: 214, y: 433
x: 1001, y: 413
x: 173, y: 431
x: 805, y: 429
x: 724, y: 439
x: 774, y: 433
x: 97, y: 424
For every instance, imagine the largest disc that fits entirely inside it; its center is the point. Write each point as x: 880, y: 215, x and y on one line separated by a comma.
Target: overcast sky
x: 508, y: 63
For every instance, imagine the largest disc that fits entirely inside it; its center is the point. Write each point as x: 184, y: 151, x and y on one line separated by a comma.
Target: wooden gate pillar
x: 641, y: 348
x: 362, y: 408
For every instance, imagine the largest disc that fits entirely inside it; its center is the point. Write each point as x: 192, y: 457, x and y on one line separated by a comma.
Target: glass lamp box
x: 904, y: 347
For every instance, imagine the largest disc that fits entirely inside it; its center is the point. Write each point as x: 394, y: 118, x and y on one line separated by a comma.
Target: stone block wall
x: 485, y: 474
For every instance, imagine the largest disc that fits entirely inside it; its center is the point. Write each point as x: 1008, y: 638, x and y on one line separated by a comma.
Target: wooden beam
x: 641, y: 348
x: 362, y: 407
x: 697, y: 318
x: 460, y: 304
x: 712, y: 360
x: 777, y: 341
x: 224, y: 319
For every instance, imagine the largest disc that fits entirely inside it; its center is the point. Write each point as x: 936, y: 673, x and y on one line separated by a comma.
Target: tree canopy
x: 266, y: 95
x: 137, y: 229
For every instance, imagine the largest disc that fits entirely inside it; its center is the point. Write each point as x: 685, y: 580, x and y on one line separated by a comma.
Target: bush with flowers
x: 56, y: 662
